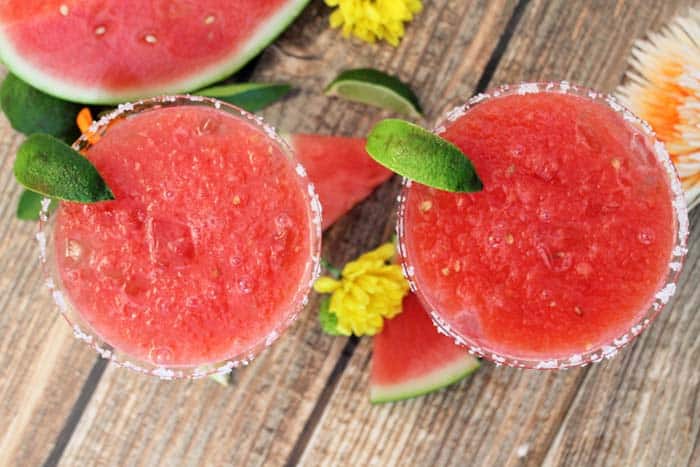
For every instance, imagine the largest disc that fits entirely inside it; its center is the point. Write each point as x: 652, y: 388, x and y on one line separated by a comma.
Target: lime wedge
x: 376, y: 88
x: 248, y: 96
x: 420, y: 155
x: 48, y: 166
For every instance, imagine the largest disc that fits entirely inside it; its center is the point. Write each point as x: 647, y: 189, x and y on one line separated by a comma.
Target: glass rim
x: 662, y: 295
x: 82, y: 330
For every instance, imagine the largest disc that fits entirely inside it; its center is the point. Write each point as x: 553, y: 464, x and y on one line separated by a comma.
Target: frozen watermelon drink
x: 573, y: 246
x: 207, y: 252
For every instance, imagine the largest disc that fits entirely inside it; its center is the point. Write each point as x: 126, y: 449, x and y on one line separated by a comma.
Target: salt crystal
x: 164, y: 373
x: 522, y: 450
x: 665, y: 294
x: 548, y: 364
x: 41, y: 238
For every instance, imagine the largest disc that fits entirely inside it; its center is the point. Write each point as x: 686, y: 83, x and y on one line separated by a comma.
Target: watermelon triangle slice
x: 410, y: 358
x: 109, y: 51
x: 341, y: 170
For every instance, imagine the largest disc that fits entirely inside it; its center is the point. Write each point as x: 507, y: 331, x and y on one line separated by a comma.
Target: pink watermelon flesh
x: 410, y: 358
x: 106, y: 51
x: 340, y: 169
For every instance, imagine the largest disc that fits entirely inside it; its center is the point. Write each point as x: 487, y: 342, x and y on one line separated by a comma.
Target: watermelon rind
x: 214, y: 72
x: 438, y: 379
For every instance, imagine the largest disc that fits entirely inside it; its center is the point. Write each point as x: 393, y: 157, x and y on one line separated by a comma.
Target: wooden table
x: 305, y: 401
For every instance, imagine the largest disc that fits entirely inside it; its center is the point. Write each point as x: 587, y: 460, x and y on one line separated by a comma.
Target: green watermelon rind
x: 438, y: 379
x: 262, y: 37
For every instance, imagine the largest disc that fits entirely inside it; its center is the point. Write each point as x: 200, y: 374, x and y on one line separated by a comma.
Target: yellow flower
x: 372, y: 20
x: 663, y: 88
x: 369, y: 290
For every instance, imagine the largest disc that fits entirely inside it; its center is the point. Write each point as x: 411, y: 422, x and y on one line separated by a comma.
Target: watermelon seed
x: 209, y: 19
x: 63, y: 9
x: 150, y: 38
x: 99, y: 30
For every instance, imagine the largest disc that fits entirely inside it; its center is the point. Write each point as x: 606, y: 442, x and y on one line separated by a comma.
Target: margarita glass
x: 207, y: 253
x: 573, y: 247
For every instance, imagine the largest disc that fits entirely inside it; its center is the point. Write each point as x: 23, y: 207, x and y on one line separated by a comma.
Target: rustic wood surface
x: 304, y: 401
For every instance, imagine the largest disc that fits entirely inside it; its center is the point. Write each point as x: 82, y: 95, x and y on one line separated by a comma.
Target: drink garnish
x: 48, y: 166
x: 420, y: 155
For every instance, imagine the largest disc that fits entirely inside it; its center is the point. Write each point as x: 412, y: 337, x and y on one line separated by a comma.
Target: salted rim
x: 83, y: 331
x: 663, y: 294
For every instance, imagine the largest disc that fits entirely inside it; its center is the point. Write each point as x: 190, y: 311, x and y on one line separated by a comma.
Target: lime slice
x: 248, y: 96
x: 420, y: 155
x: 48, y: 166
x: 376, y: 88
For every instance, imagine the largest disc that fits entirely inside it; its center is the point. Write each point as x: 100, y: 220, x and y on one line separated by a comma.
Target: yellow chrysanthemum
x: 368, y: 291
x: 372, y: 20
x: 663, y: 88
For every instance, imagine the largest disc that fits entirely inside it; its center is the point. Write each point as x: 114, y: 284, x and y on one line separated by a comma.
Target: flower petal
x: 326, y: 284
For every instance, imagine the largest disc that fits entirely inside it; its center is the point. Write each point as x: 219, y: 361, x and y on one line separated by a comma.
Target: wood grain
x: 643, y: 408
x: 638, y: 409
x: 305, y: 400
x: 132, y: 419
x: 42, y: 367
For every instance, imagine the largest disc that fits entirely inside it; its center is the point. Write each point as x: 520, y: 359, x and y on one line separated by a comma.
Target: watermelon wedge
x: 341, y: 170
x: 108, y: 51
x: 410, y: 358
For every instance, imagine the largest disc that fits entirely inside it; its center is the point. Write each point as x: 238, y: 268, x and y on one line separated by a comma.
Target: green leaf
x: 49, y: 166
x: 328, y: 319
x: 376, y: 88
x: 248, y: 96
x: 32, y: 111
x: 334, y: 272
x: 420, y: 155
x: 29, y: 206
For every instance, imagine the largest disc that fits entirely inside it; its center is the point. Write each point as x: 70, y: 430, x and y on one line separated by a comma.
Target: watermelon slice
x: 410, y: 358
x: 108, y: 51
x: 341, y: 170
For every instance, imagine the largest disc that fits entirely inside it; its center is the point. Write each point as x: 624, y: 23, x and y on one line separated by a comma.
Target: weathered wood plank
x: 136, y: 420
x: 42, y: 367
x: 640, y: 408
x: 644, y: 409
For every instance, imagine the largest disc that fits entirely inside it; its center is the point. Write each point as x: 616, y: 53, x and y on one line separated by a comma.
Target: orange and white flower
x: 663, y: 88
